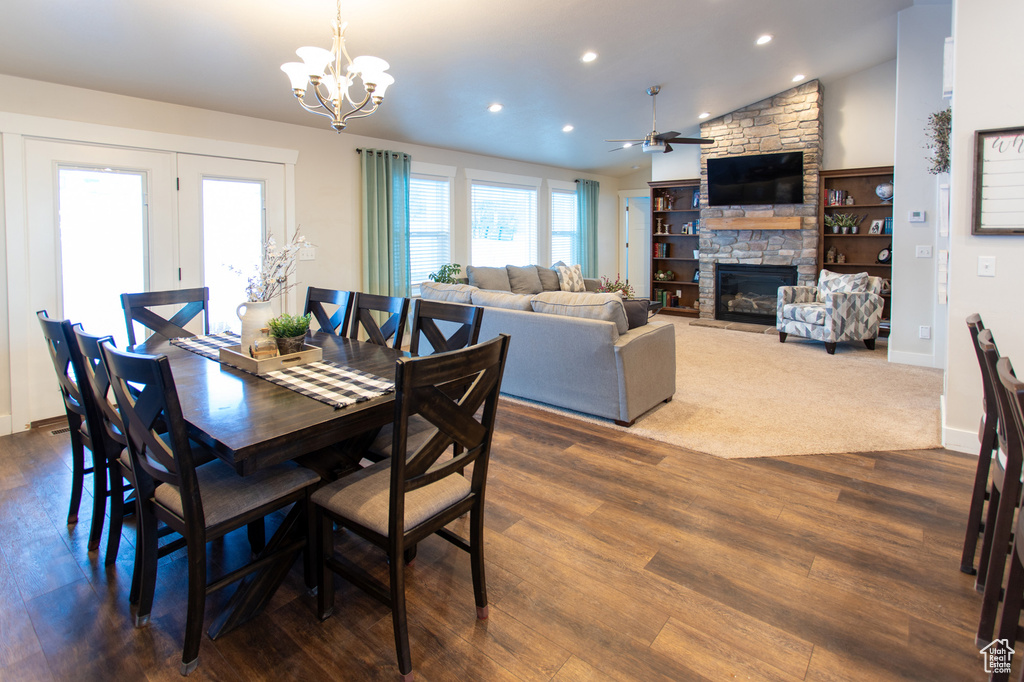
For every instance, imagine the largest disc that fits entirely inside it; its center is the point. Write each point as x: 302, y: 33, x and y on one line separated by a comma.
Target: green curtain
x: 587, y: 193
x: 385, y: 216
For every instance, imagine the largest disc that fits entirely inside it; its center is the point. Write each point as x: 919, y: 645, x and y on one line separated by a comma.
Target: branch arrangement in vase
x: 277, y: 265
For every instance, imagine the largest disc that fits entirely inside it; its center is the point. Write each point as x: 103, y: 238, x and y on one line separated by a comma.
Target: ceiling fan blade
x: 627, y: 146
x: 665, y: 136
x: 690, y: 140
x: 633, y: 140
x: 668, y: 147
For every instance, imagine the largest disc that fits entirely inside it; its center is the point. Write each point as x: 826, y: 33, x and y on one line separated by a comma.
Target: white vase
x: 254, y: 316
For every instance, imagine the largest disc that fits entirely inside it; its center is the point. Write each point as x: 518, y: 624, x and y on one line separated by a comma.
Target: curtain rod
x: 360, y: 150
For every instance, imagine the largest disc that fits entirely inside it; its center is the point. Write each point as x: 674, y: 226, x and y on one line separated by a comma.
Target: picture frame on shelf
x: 696, y: 276
x: 696, y: 200
x: 876, y: 227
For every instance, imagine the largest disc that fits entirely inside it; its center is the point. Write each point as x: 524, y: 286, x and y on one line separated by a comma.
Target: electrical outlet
x: 924, y: 331
x: 986, y: 266
x: 924, y: 252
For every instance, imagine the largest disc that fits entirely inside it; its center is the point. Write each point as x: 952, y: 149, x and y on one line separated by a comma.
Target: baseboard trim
x: 916, y: 359
x: 960, y: 440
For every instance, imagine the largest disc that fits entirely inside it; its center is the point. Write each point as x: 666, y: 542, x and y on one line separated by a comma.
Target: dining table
x: 252, y: 423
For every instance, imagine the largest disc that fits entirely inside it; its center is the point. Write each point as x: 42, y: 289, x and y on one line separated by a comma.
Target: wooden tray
x: 231, y: 355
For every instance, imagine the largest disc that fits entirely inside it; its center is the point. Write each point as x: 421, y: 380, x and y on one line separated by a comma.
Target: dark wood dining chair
x: 1004, y: 497
x: 137, y: 309
x: 392, y: 332
x: 975, y: 526
x: 1009, y: 627
x: 333, y: 322
x: 399, y: 502
x: 67, y: 362
x: 200, y: 503
x: 463, y: 326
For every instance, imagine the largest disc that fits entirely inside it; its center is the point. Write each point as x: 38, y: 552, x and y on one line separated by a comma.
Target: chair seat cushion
x: 810, y: 313
x: 226, y: 494
x: 363, y: 497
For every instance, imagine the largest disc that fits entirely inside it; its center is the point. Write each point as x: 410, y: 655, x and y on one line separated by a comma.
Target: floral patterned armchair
x: 841, y: 308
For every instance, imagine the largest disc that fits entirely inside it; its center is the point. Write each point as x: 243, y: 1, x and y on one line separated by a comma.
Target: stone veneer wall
x: 789, y: 121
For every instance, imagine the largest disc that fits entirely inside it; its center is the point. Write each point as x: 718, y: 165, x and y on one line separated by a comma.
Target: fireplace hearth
x: 749, y: 293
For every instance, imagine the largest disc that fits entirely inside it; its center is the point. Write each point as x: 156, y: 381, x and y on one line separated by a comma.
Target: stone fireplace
x: 769, y: 235
x: 749, y: 293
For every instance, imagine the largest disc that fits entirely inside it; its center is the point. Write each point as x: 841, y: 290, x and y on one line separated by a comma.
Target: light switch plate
x: 923, y: 251
x: 307, y: 253
x: 986, y: 266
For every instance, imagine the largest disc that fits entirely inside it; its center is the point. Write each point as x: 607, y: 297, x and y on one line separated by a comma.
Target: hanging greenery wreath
x: 939, y: 126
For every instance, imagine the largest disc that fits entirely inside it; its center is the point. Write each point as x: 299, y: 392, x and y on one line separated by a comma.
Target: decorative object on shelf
x: 841, y: 258
x: 265, y: 346
x: 323, y: 69
x: 998, y: 182
x: 849, y: 201
x: 885, y: 255
x: 940, y: 124
x: 625, y: 289
x: 446, y: 274
x: 696, y: 200
x: 658, y: 228
x: 669, y: 275
x: 886, y: 286
x: 696, y: 276
x: 838, y: 221
x: 269, y: 281
x: 290, y: 331
x: 853, y: 229
x: 696, y: 254
x: 830, y: 255
x: 884, y: 190
x: 876, y: 227
x: 887, y: 225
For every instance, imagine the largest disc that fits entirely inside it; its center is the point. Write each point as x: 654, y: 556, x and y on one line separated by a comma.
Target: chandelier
x: 322, y: 69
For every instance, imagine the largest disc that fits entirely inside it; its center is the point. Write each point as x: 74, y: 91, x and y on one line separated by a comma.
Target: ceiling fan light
x: 588, y: 57
x: 297, y: 74
x: 703, y: 114
x: 764, y: 39
x: 316, y: 60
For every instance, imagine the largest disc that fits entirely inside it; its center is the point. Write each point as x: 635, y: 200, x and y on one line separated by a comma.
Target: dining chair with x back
x: 192, y: 301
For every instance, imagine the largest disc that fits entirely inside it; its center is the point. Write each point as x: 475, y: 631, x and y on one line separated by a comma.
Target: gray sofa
x: 568, y: 359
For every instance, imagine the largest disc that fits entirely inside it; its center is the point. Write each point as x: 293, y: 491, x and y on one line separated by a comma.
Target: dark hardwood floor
x: 608, y: 557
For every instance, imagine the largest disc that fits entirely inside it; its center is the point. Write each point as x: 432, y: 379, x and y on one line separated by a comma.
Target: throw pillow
x: 493, y: 279
x: 570, y: 278
x: 453, y: 293
x: 636, y: 311
x: 548, y: 279
x: 524, y: 280
x: 830, y: 281
x: 606, y: 307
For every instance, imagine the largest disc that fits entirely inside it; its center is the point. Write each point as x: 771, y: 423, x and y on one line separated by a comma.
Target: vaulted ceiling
x: 452, y: 58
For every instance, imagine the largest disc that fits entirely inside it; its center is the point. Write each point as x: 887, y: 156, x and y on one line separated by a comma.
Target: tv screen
x: 758, y: 179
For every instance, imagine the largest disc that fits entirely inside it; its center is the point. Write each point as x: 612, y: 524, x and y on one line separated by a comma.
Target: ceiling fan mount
x: 655, y: 142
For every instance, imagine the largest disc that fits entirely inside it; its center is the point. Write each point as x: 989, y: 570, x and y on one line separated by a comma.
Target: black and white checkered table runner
x: 208, y: 346
x: 325, y: 381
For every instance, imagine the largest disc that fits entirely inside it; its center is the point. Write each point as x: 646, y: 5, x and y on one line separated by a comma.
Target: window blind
x: 564, y: 227
x: 503, y: 224
x: 429, y: 227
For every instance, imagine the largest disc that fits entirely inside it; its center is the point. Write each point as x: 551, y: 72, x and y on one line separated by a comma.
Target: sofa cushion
x: 830, y: 281
x: 502, y: 299
x: 607, y: 307
x: 524, y: 279
x: 636, y: 311
x: 570, y: 278
x: 495, y: 279
x: 548, y: 279
x: 453, y: 293
x: 809, y: 313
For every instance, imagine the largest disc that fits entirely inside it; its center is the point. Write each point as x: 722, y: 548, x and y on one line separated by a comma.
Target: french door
x: 105, y: 220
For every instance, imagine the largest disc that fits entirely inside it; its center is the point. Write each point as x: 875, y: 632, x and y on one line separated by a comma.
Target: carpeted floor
x: 747, y: 395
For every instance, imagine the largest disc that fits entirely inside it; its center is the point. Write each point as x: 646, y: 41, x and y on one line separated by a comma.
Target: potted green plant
x: 625, y: 289
x: 842, y: 222
x: 446, y: 274
x: 290, y: 331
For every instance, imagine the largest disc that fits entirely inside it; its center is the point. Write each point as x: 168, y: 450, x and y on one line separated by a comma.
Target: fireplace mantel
x: 754, y: 223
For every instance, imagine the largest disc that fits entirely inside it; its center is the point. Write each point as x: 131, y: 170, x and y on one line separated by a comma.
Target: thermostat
x: 916, y: 216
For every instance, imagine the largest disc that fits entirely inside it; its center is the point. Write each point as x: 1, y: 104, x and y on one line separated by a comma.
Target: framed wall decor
x: 998, y: 181
x: 876, y: 227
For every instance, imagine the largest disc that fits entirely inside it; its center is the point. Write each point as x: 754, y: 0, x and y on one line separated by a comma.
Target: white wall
x: 327, y: 185
x: 682, y: 163
x: 860, y: 115
x: 987, y: 93
x: 922, y: 31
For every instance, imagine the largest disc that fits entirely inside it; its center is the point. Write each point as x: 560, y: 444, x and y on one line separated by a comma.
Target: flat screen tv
x: 757, y: 179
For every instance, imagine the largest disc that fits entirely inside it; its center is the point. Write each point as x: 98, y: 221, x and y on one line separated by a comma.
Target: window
x: 564, y: 227
x: 503, y: 224
x: 429, y: 226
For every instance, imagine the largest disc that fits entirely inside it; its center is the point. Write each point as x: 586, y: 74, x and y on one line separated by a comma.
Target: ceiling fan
x: 659, y: 142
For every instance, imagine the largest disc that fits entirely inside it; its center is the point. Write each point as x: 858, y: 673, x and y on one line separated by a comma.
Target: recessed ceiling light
x: 588, y: 56
x: 566, y: 129
x: 628, y: 144
x: 799, y: 77
x: 704, y: 114
x: 494, y: 108
x: 766, y: 38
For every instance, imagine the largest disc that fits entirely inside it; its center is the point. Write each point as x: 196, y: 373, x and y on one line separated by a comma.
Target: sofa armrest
x: 646, y: 361
x: 789, y: 295
x: 862, y: 320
